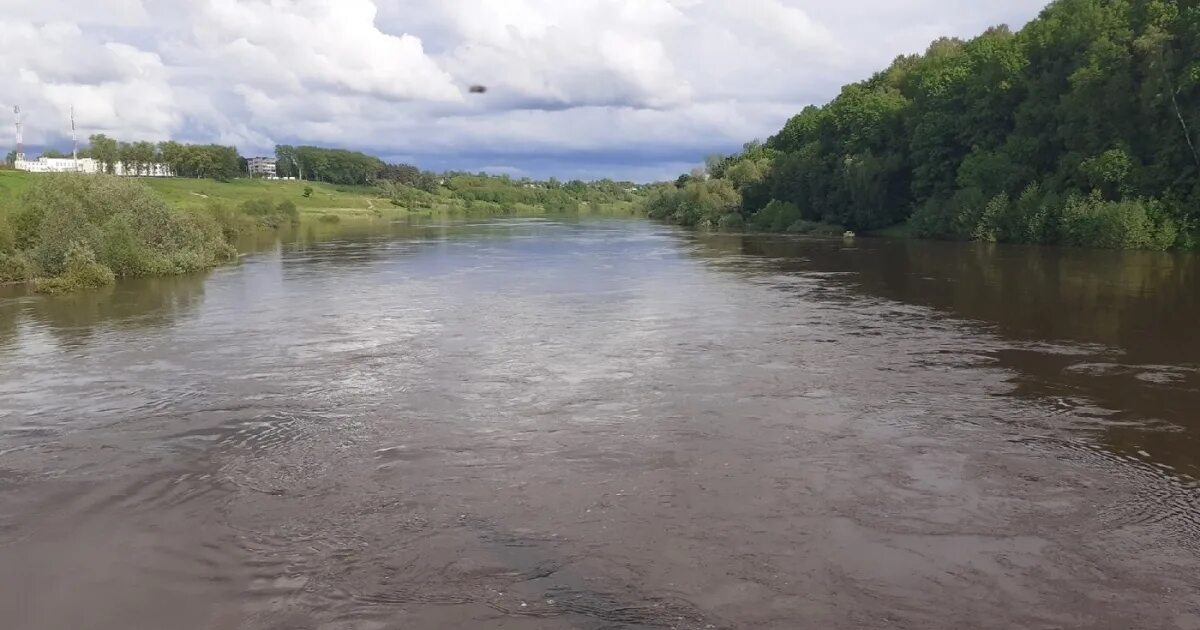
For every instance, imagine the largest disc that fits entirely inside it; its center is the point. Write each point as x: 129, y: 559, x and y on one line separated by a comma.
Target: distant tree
x: 714, y: 164
x: 336, y: 166
x: 144, y: 155
x: 106, y: 151
x: 428, y: 182
x: 172, y: 154
x: 405, y: 174
x: 128, y: 159
x: 11, y: 158
x: 53, y: 154
x: 286, y: 164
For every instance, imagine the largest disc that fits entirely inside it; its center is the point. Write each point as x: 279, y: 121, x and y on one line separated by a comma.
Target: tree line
x: 184, y: 160
x: 1079, y: 129
x: 334, y: 166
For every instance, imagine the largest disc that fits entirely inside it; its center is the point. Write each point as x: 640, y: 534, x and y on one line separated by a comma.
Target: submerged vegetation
x: 1081, y: 129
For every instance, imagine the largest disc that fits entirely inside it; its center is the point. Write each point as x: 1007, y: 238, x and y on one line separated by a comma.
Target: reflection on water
x: 74, y: 319
x: 527, y: 423
x: 1109, y: 335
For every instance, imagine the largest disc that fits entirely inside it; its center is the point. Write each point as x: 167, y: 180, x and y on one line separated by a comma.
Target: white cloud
x: 574, y: 85
x: 553, y: 54
x: 114, y: 87
x: 318, y: 45
x: 129, y: 13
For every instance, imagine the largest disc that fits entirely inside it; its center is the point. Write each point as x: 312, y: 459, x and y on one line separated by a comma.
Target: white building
x: 88, y: 165
x: 57, y: 165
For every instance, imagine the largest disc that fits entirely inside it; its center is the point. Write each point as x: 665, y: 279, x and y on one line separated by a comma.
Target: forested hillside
x: 1081, y: 129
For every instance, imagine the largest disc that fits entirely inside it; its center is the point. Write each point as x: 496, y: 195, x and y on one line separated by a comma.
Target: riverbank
x: 65, y: 232
x: 313, y: 199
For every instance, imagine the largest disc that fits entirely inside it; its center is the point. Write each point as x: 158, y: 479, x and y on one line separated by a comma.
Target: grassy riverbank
x: 323, y: 198
x: 319, y: 200
x: 64, y: 232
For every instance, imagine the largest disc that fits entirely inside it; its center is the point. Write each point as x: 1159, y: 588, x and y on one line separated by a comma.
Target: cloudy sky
x: 638, y: 89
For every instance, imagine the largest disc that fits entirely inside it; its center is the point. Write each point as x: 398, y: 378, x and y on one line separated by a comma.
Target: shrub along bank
x: 74, y: 231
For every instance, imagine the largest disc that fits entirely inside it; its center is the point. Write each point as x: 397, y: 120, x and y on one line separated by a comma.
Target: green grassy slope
x: 325, y: 197
x: 12, y: 184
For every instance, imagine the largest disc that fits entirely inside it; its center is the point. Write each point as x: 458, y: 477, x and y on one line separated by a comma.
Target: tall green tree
x: 106, y: 151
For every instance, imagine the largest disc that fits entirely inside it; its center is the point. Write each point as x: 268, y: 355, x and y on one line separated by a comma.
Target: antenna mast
x: 74, y: 141
x: 20, y: 138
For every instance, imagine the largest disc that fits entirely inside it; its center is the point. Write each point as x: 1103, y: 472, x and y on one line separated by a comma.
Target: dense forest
x: 1083, y: 129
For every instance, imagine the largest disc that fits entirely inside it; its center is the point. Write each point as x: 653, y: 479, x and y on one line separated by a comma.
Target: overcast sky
x: 637, y: 89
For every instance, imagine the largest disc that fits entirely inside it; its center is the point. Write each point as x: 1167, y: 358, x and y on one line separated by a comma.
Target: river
x: 607, y: 423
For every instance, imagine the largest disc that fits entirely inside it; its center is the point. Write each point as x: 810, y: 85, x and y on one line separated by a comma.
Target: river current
x: 606, y: 423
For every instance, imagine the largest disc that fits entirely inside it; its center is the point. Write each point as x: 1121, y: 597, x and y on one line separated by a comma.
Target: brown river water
x: 606, y: 423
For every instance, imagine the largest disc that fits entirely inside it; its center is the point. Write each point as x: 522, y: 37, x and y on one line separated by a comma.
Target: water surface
x: 607, y: 423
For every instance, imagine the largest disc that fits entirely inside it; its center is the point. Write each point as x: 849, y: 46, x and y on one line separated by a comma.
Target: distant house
x: 261, y: 167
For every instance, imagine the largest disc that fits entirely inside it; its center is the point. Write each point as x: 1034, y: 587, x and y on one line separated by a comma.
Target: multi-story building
x: 261, y: 167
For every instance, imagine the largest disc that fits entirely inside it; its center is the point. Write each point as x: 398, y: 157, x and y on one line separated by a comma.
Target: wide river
x: 606, y: 423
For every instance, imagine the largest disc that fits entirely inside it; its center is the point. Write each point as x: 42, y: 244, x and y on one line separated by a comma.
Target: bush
x: 232, y: 223
x: 270, y: 214
x: 733, y: 221
x: 1028, y: 219
x: 79, y: 231
x: 1131, y: 224
x: 987, y: 223
x: 288, y: 211
x: 59, y: 211
x: 697, y: 202
x: 329, y: 218
x: 82, y: 272
x: 163, y: 242
x: 778, y: 216
x: 15, y: 267
x: 308, y: 191
x: 813, y: 228
x: 930, y: 220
